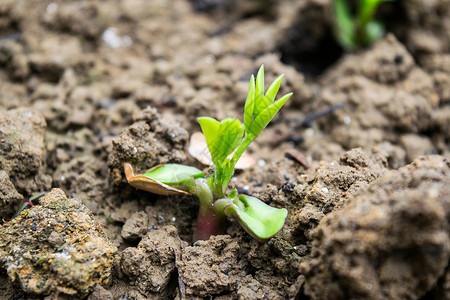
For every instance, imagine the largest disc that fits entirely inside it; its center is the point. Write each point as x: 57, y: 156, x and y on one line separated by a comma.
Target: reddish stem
x: 208, y: 224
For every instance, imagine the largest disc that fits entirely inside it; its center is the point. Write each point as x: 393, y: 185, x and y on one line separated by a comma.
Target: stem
x: 365, y: 14
x: 211, y: 217
x: 209, y: 221
x: 217, y: 183
x: 237, y: 155
x: 241, y: 149
x: 203, y: 192
x: 366, y: 11
x: 212, y: 221
x: 28, y: 202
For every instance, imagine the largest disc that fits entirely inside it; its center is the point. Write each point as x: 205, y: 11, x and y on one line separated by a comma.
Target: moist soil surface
x: 359, y: 156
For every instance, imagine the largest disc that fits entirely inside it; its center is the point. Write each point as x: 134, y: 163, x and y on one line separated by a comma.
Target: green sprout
x: 360, y: 30
x: 28, y: 202
x: 226, y: 141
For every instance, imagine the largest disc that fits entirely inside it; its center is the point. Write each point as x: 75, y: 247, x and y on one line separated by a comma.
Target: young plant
x: 360, y: 30
x: 226, y: 140
x: 28, y: 202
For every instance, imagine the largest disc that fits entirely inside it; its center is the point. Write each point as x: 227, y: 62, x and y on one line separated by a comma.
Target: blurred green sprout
x: 360, y: 30
x: 226, y: 141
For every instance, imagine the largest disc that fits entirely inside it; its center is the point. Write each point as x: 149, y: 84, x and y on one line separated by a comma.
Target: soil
x: 359, y: 155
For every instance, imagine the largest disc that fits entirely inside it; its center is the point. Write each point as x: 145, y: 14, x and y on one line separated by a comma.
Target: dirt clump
x: 151, y: 264
x: 100, y: 293
x: 438, y: 65
x: 150, y: 141
x: 9, y: 197
x: 384, y: 96
x: 367, y: 247
x: 135, y: 227
x: 428, y: 27
x: 13, y: 58
x: 56, y: 246
x: 88, y: 19
x: 209, y: 267
x: 324, y: 188
x: 22, y: 149
x: 329, y: 186
x: 250, y: 288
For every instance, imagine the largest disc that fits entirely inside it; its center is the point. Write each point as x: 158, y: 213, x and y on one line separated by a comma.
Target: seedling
x: 360, y: 30
x: 28, y: 203
x: 226, y: 140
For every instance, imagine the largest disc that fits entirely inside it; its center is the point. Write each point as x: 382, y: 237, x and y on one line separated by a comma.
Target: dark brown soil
x: 359, y: 155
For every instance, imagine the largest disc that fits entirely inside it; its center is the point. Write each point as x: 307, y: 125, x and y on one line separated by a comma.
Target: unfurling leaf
x: 197, y: 146
x: 262, y: 120
x: 259, y: 92
x: 344, y: 23
x: 222, y: 138
x: 358, y: 29
x: 249, y: 103
x: 230, y: 136
x: 210, y: 128
x: 260, y: 108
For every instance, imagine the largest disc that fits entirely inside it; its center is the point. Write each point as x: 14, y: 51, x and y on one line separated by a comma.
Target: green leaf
x: 261, y: 101
x: 260, y: 220
x: 360, y: 30
x: 230, y: 136
x: 173, y: 174
x: 262, y: 120
x: 344, y: 24
x: 249, y: 103
x: 374, y: 31
x: 273, y: 89
x: 178, y: 179
x: 222, y: 138
x: 259, y: 90
x: 367, y: 9
x: 260, y: 108
x: 233, y: 193
x: 210, y: 128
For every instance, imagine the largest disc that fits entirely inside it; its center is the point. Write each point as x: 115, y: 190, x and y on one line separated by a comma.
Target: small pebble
x: 347, y: 120
x: 51, y: 8
x: 261, y: 162
x: 111, y: 38
x: 243, y: 190
x: 309, y: 132
x: 288, y: 187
